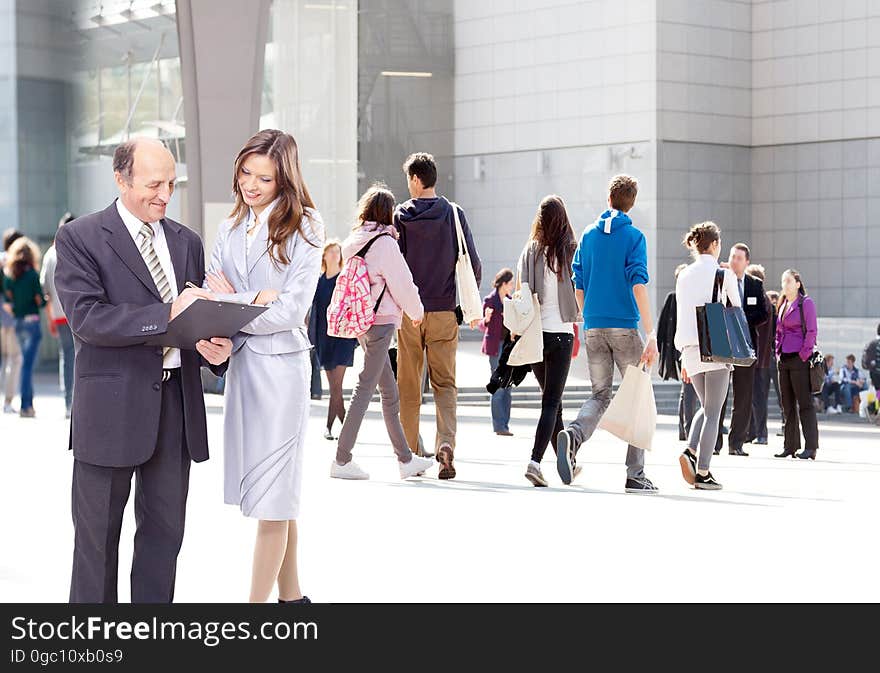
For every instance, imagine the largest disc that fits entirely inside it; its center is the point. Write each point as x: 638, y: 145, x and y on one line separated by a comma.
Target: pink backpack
x: 351, y: 313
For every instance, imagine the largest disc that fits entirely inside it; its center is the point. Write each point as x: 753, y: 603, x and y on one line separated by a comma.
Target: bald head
x: 145, y: 174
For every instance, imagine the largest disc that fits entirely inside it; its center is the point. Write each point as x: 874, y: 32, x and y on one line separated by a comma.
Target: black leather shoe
x: 737, y: 452
x: 785, y: 454
x: 299, y: 601
x: 807, y: 455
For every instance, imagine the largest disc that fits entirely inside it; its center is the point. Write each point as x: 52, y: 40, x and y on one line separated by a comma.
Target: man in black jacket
x: 757, y: 310
x: 670, y: 365
x: 429, y: 244
x: 871, y: 360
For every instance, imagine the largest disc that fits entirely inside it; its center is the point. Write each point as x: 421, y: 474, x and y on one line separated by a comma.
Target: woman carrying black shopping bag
x: 796, y: 331
x: 694, y: 288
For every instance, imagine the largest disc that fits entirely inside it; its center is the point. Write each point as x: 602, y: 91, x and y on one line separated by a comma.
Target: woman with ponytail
x: 694, y: 288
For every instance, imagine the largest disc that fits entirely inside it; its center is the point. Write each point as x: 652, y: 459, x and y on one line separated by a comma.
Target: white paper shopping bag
x: 632, y: 414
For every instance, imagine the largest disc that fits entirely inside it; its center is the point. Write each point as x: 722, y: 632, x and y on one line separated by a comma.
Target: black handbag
x: 818, y: 368
x: 724, y: 331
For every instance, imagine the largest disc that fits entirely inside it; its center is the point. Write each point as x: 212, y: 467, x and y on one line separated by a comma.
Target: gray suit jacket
x: 113, y: 308
x: 281, y: 329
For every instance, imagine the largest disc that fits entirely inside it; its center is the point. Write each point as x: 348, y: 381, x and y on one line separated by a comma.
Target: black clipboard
x: 204, y: 319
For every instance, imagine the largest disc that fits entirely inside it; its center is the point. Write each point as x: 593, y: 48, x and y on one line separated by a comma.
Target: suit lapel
x: 178, y: 250
x: 123, y: 245
x: 239, y: 248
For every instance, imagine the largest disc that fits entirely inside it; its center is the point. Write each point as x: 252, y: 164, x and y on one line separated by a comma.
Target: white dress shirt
x: 160, y: 245
x: 261, y: 220
x: 694, y: 288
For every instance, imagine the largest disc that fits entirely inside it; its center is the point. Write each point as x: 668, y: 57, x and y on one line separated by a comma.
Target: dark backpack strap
x: 800, y: 301
x: 363, y: 251
x: 379, y: 300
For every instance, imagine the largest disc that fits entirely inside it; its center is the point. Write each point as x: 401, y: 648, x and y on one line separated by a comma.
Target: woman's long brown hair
x: 554, y: 235
x: 292, y: 198
x: 376, y: 205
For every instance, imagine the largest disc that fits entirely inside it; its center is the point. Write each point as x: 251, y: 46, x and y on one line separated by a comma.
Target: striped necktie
x: 148, y: 252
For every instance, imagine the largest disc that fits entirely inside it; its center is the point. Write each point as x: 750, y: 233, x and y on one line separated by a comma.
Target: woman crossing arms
x: 269, y: 252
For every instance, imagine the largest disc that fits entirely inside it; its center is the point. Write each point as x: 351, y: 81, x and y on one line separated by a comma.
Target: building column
x: 222, y: 49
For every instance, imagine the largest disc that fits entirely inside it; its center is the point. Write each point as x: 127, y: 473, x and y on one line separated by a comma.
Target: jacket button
x: 157, y: 387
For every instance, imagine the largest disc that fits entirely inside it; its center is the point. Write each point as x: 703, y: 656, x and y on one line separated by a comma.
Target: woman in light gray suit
x: 268, y: 252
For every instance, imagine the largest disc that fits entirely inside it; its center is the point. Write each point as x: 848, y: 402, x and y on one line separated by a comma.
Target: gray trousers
x: 606, y: 348
x: 99, y: 496
x: 711, y: 388
x: 376, y: 372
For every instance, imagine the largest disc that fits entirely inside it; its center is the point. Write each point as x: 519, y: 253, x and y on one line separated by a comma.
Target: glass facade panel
x: 405, y: 89
x: 310, y: 89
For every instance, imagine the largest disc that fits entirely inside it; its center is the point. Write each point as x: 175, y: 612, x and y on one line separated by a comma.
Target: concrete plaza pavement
x: 781, y: 530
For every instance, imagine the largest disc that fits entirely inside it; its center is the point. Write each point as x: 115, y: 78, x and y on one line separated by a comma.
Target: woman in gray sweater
x: 545, y: 264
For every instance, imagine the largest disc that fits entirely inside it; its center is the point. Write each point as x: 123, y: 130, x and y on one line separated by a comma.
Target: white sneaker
x: 832, y: 411
x: 839, y: 410
x: 416, y: 467
x: 351, y: 470
x: 9, y: 409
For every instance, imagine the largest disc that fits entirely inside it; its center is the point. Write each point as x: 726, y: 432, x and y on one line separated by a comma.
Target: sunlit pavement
x: 781, y: 530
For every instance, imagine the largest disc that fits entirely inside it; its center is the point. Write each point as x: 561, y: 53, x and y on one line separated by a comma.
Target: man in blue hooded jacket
x: 610, y: 273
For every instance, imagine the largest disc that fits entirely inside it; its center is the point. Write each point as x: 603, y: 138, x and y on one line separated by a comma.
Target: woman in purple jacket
x: 493, y: 341
x: 796, y: 332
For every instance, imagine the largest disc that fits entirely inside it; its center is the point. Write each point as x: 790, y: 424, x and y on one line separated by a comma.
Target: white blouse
x: 551, y: 315
x: 694, y: 288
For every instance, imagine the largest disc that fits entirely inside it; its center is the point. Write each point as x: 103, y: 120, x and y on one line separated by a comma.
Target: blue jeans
x: 29, y: 335
x: 65, y: 362
x: 500, y: 402
x: 848, y: 391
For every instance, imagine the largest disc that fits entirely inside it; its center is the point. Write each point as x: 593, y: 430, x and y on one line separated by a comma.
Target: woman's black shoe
x: 784, y: 454
x: 301, y: 601
x: 807, y: 455
x: 706, y: 483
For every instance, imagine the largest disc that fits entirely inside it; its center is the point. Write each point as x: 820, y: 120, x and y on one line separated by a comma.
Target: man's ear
x: 121, y: 182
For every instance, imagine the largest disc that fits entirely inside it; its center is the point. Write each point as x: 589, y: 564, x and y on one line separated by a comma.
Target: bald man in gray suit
x: 138, y: 408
